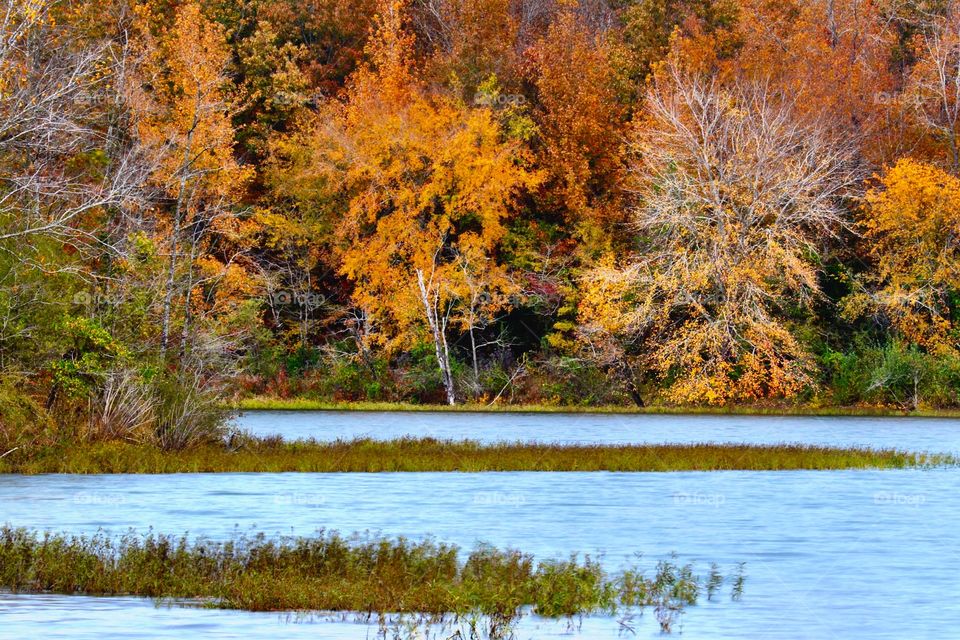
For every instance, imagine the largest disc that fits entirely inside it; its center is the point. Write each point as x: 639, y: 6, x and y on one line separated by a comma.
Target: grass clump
x: 372, y: 576
x: 274, y: 455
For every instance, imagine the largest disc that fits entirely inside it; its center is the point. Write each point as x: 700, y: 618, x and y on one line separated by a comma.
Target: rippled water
x: 915, y: 434
x: 847, y: 554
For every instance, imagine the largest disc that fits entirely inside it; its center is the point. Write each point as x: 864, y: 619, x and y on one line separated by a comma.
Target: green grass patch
x: 263, y: 403
x: 247, y: 454
x: 333, y: 573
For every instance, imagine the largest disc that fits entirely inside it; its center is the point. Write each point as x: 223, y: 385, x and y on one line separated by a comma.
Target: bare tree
x: 934, y: 84
x: 735, y: 194
x: 53, y: 97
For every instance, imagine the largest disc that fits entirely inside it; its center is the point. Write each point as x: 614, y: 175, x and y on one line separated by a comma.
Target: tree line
x: 603, y: 201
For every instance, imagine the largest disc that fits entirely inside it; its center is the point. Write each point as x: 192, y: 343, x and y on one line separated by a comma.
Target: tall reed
x: 367, y: 575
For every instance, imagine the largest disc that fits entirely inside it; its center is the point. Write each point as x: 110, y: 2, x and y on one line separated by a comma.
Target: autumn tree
x: 68, y: 177
x: 934, y: 86
x: 579, y: 119
x: 733, y: 195
x: 469, y: 40
x: 429, y: 184
x: 832, y: 59
x: 184, y: 104
x: 273, y: 87
x: 911, y: 226
x: 57, y: 169
x: 650, y: 28
x: 332, y: 34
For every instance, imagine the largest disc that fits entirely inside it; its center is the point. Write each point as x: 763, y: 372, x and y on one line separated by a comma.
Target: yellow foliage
x: 911, y: 221
x: 428, y: 184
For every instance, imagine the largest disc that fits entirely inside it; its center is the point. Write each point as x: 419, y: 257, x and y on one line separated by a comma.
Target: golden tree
x: 183, y: 105
x: 911, y: 222
x: 733, y: 194
x: 428, y: 185
x: 580, y: 118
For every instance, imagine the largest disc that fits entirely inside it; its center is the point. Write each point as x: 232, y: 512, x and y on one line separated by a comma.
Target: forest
x: 605, y: 202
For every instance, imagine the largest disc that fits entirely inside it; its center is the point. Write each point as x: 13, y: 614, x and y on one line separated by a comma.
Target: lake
x: 853, y: 554
x: 934, y: 435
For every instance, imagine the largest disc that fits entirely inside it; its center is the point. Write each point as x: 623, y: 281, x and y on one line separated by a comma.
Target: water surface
x: 853, y: 554
x: 850, y: 554
x: 938, y: 435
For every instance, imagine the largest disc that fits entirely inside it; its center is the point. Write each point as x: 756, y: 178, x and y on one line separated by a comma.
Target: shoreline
x: 265, y: 403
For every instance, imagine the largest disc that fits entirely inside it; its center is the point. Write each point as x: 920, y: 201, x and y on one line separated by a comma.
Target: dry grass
x: 246, y: 454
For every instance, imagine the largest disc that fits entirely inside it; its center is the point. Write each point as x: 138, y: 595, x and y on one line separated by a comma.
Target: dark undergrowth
x: 370, y: 576
x: 248, y: 454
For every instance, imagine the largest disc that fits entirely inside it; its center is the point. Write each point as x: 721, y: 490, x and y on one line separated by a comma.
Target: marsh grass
x: 274, y: 455
x: 265, y: 403
x: 366, y: 575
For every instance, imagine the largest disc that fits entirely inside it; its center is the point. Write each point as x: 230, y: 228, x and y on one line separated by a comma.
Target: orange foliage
x: 580, y: 119
x: 911, y: 222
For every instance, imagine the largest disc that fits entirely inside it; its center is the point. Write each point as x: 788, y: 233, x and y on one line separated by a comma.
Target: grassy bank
x: 262, y: 403
x: 409, y: 454
x: 332, y: 573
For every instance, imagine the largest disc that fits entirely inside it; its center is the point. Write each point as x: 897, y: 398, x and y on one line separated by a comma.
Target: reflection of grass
x: 247, y: 454
x: 331, y: 573
x: 786, y: 409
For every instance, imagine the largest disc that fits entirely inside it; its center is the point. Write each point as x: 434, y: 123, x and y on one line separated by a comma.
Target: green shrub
x: 900, y: 377
x: 892, y: 375
x: 568, y: 381
x: 24, y: 423
x: 420, y: 376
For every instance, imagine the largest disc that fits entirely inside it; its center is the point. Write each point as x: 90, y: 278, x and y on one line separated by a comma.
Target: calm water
x: 915, y: 434
x: 852, y: 554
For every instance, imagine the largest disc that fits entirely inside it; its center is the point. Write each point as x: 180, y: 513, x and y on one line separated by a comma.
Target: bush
x: 421, y: 374
x: 847, y: 375
x: 189, y: 411
x: 125, y: 408
x: 24, y: 423
x: 943, y: 390
x: 900, y: 377
x: 570, y: 381
x: 892, y: 375
x: 350, y: 379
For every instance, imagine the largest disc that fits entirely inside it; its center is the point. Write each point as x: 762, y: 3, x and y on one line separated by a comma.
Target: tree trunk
x: 171, y: 275
x: 473, y: 355
x: 188, y: 293
x: 175, y: 233
x: 438, y: 330
x: 626, y: 374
